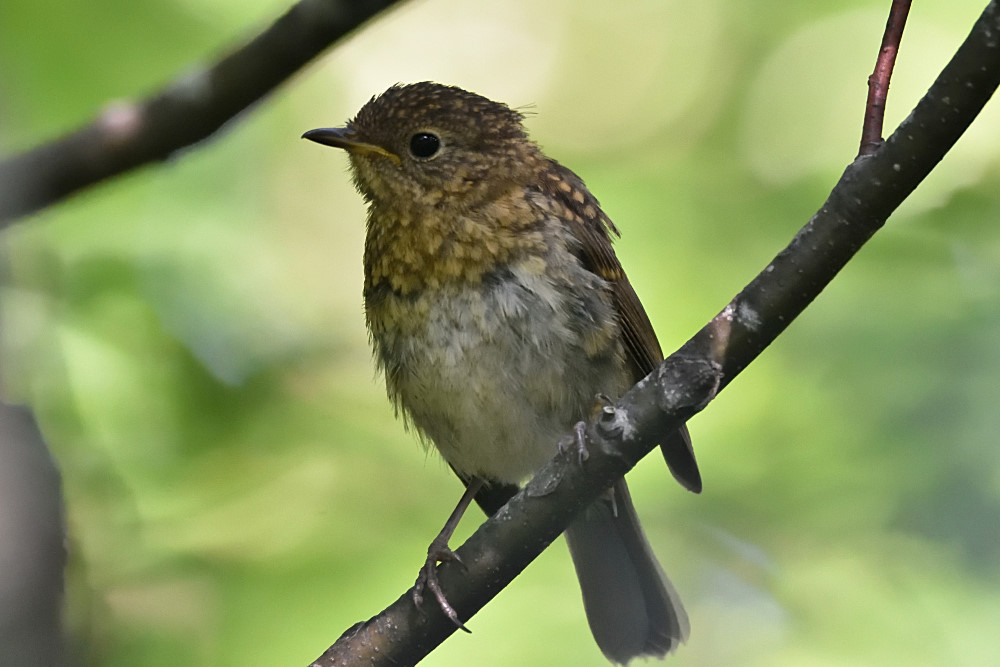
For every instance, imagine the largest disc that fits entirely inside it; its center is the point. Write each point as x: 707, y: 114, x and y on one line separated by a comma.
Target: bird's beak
x: 345, y: 137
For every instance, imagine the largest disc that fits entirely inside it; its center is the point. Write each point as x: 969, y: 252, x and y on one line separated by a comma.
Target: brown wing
x: 594, y: 229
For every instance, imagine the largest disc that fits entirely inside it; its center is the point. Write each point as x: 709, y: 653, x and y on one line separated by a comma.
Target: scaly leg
x: 439, y: 551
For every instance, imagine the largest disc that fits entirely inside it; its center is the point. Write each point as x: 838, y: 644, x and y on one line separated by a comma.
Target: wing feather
x: 593, y: 229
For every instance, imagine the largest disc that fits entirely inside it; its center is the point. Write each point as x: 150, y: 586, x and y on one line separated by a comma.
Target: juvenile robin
x: 498, y: 311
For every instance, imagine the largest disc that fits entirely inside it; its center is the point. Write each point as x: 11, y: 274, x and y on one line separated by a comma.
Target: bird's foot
x: 437, y: 552
x: 576, y: 442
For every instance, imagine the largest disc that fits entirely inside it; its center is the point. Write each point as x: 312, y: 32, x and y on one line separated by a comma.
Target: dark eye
x: 424, y: 144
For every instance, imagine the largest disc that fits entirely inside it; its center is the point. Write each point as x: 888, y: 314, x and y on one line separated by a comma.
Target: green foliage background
x: 238, y: 492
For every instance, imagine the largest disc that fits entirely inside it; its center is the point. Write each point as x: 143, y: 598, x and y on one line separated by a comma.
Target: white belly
x: 495, y: 374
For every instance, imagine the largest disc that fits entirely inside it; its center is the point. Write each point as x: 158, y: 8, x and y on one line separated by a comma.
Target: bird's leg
x: 578, y: 441
x: 439, y: 551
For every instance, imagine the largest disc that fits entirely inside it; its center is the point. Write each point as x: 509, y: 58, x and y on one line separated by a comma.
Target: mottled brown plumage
x: 498, y: 311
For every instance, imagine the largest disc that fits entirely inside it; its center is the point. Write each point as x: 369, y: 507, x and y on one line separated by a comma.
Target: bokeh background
x: 238, y: 492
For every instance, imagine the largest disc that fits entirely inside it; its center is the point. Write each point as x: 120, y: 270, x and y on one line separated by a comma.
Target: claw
x: 603, y: 401
x: 427, y: 578
x: 577, y: 441
x: 440, y: 552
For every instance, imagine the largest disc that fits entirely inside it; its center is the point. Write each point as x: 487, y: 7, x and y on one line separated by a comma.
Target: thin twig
x: 878, y: 82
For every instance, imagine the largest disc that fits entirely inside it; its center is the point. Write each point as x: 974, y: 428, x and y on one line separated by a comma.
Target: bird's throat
x: 406, y: 252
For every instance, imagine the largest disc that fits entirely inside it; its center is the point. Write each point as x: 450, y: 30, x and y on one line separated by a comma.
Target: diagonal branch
x: 871, y: 188
x: 127, y: 135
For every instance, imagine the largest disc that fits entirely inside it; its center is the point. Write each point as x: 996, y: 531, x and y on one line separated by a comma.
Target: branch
x: 33, y: 549
x: 878, y: 82
x: 127, y: 134
x: 503, y: 546
x: 871, y: 188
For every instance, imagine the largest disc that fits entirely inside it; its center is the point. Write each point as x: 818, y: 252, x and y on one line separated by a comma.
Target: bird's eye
x: 424, y: 144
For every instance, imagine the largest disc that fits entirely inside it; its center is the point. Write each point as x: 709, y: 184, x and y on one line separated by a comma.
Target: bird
x: 497, y: 311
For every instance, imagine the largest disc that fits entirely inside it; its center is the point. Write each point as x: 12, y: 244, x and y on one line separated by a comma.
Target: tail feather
x: 632, y: 608
x: 679, y: 455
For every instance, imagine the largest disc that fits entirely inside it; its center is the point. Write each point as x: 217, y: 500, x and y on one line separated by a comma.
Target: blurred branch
x: 32, y: 549
x: 129, y: 134
x: 878, y: 82
x: 871, y: 188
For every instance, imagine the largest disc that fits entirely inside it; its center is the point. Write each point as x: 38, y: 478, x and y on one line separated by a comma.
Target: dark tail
x: 632, y: 608
x: 679, y: 454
